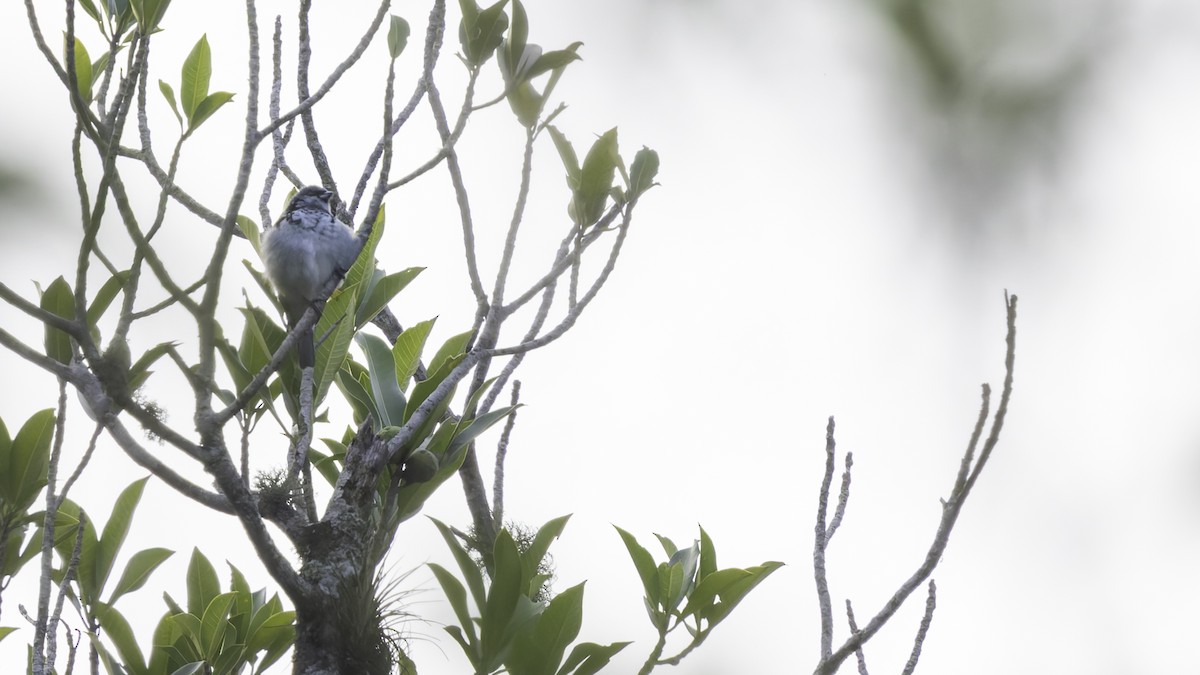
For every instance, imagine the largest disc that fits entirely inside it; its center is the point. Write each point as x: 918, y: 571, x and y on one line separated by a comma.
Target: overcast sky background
x: 831, y: 237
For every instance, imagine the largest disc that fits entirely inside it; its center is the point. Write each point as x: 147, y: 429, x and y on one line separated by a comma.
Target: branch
x: 820, y: 532
x: 930, y: 604
x: 308, y: 102
x: 951, y: 507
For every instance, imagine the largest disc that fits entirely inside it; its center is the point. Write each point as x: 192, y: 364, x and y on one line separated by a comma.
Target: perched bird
x: 304, y: 248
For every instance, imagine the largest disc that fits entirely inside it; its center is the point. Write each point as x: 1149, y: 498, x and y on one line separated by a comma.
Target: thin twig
x: 923, y: 630
x: 501, y: 454
x: 858, y: 653
x: 819, y: 544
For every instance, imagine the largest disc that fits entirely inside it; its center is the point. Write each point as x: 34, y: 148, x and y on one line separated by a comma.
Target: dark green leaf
x: 466, y: 565
x: 118, y: 631
x: 149, y: 14
x: 457, y: 596
x: 202, y: 584
x: 559, y: 624
x: 385, y: 390
x: 115, y: 530
x: 721, y: 591
x: 28, y: 462
x: 138, y: 570
x: 501, y: 599
x: 105, y: 296
x: 644, y: 562
x: 708, y: 556
x: 407, y: 350
x: 381, y: 292
x: 545, y: 536
x: 59, y: 299
x: 588, y: 658
x: 90, y: 9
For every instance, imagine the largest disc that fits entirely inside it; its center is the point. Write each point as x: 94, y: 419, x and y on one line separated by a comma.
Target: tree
x: 410, y: 432
x: 415, y: 418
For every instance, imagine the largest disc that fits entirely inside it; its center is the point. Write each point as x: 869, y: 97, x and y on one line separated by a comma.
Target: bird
x: 301, y: 251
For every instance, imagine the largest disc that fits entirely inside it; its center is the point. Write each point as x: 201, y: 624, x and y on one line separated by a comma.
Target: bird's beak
x: 327, y: 196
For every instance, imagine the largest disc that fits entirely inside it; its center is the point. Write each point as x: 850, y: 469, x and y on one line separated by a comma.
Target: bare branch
x: 843, y: 497
x: 501, y: 453
x: 819, y: 545
x: 951, y: 507
x: 307, y: 102
x: 858, y: 653
x: 930, y: 604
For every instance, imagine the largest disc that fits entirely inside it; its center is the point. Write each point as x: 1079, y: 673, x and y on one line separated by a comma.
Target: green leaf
x: 643, y: 172
x: 481, y: 31
x: 477, y: 426
x: 518, y: 37
x: 554, y: 60
x: 115, y: 530
x: 90, y: 9
x: 502, y: 598
x: 213, y: 623
x: 541, y: 542
x: 397, y: 36
x: 197, y: 70
x: 105, y: 296
x: 28, y: 462
x: 595, y: 179
x: 253, y: 233
x: 408, y: 348
x: 99, y: 65
x: 118, y: 631
x: 567, y: 152
x: 669, y: 546
x: 385, y: 390
x: 381, y: 291
x: 331, y: 354
x: 717, y: 595
x: 83, y: 71
x: 138, y: 570
x: 139, y: 371
x: 149, y: 14
x: 169, y: 94
x: 202, y: 583
x: 443, y: 362
x: 559, y: 624
x: 354, y: 388
x: 58, y: 299
x: 587, y: 658
x: 708, y: 556
x: 644, y: 563
x: 466, y: 565
x: 457, y: 596
x: 205, y: 109
x: 526, y: 103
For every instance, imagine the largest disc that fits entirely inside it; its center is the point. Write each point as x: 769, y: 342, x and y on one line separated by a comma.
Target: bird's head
x: 311, y: 196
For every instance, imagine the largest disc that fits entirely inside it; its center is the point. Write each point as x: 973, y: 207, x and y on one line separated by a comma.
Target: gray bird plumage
x: 304, y: 248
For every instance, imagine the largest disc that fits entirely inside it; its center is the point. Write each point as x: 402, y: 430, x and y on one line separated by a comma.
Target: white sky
x: 799, y: 260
